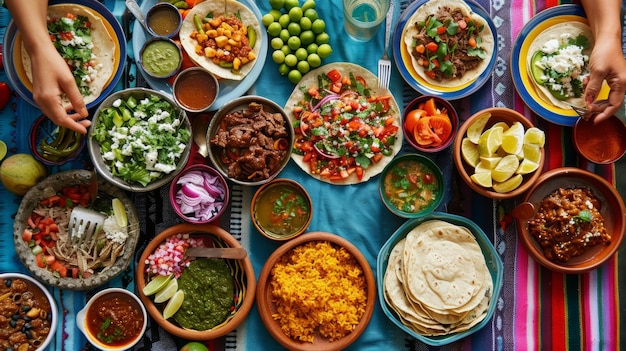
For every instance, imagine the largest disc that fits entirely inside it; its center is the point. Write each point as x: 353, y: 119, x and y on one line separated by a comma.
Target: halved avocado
x: 537, y: 73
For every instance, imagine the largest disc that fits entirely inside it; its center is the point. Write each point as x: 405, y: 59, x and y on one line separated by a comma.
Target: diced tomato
x: 27, y: 235
x: 420, y: 48
x: 60, y: 268
x: 50, y: 259
x: 40, y: 260
x: 441, y: 30
x: 361, y: 80
x: 432, y: 46
x: 377, y: 157
x: 359, y: 172
x: 334, y: 75
x: 74, y: 272
x: 430, y: 74
x: 325, y: 172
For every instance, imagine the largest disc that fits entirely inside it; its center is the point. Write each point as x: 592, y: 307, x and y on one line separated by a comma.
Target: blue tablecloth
x: 356, y: 213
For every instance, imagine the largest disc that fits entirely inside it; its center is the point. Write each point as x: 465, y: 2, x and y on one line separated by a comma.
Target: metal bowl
x: 220, y: 157
x: 103, y: 167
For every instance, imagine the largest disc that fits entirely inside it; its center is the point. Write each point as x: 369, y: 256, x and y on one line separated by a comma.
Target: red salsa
x: 115, y: 319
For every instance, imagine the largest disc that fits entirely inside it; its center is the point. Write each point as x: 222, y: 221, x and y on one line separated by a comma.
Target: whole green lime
x: 277, y: 4
x: 267, y: 19
x: 294, y: 76
x: 194, y: 346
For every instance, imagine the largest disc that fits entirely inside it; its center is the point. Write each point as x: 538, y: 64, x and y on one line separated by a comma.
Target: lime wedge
x: 490, y: 141
x: 173, y: 304
x: 513, y: 138
x: 469, y: 151
x: 508, y: 185
x: 156, y: 284
x: 535, y: 135
x: 482, y: 179
x: 3, y: 150
x: 527, y: 166
x: 120, y: 212
x: 167, y: 292
x: 532, y: 152
x: 490, y: 162
x: 475, y: 130
x: 505, y: 168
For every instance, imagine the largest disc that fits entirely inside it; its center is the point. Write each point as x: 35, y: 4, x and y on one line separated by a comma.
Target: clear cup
x: 363, y: 17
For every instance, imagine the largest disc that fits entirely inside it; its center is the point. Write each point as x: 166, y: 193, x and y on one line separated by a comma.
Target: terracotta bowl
x: 243, y: 278
x: 430, y: 177
x: 441, y: 104
x: 265, y: 299
x: 54, y: 184
x: 44, y: 298
x: 498, y: 114
x: 177, y: 192
x: 602, y: 143
x: 265, y: 199
x: 221, y: 159
x: 612, y: 210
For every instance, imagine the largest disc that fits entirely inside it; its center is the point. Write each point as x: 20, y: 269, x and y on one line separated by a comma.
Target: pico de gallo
x: 341, y: 128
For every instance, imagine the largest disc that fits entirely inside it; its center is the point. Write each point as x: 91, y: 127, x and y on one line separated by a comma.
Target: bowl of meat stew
x: 250, y: 140
x: 577, y: 223
x: 30, y: 302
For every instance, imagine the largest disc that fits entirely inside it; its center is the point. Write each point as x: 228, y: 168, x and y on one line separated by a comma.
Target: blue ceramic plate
x: 519, y: 71
x: 494, y: 264
x: 402, y: 58
x: 229, y: 89
x: 11, y: 52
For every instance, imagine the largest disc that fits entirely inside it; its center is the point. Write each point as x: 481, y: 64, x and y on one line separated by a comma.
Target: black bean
x: 7, y: 283
x: 12, y: 323
x: 25, y: 308
x: 15, y: 317
x: 28, y: 334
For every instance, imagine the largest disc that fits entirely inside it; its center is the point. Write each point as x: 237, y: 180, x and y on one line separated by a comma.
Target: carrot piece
x: 420, y: 48
x: 432, y: 46
x: 472, y: 42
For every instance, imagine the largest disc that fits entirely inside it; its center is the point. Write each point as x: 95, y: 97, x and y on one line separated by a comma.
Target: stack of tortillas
x: 437, y: 279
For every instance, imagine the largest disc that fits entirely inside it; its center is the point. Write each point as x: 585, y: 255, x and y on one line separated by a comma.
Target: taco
x: 226, y: 45
x: 448, y: 43
x: 558, y: 60
x: 346, y: 129
x: 82, y: 39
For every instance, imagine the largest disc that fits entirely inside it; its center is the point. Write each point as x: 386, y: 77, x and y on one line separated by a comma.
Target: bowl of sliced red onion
x: 199, y: 194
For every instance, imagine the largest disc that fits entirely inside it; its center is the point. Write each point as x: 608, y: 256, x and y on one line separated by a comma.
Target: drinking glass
x: 363, y: 17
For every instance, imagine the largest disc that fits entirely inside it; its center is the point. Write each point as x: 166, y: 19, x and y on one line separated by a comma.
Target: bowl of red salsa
x: 113, y: 319
x: 411, y: 186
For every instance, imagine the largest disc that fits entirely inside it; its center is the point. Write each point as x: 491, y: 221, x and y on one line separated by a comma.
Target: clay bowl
x: 243, y: 278
x: 281, y: 196
x: 266, y: 305
x: 612, y: 210
x: 50, y: 186
x: 603, y: 142
x: 443, y: 106
x: 497, y: 115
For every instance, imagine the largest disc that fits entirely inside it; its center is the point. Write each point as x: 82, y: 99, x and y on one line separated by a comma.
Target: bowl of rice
x: 300, y: 312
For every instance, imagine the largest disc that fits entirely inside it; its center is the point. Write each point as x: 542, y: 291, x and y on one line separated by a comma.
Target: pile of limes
x: 299, y: 37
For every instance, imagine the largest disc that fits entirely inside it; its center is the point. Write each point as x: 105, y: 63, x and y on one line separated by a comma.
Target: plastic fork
x: 384, y: 64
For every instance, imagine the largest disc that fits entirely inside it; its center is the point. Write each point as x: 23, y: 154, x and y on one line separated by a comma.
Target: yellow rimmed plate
x: 519, y: 68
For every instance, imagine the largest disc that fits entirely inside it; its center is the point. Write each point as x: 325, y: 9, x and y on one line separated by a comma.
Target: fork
x: 584, y: 113
x: 384, y: 64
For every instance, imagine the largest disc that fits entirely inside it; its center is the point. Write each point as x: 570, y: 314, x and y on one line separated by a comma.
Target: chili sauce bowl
x: 603, y: 142
x: 611, y: 208
x: 164, y: 20
x: 411, y: 186
x: 42, y: 306
x: 102, y: 331
x: 423, y: 116
x: 195, y: 89
x: 281, y: 209
x: 199, y: 194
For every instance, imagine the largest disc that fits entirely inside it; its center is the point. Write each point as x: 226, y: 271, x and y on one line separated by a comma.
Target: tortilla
x: 311, y: 80
x: 103, y: 49
x: 437, y: 279
x: 559, y: 32
x: 217, y: 8
x: 432, y: 7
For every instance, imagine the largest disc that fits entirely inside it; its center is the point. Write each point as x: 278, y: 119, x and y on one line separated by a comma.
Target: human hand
x: 606, y: 63
x: 51, y: 79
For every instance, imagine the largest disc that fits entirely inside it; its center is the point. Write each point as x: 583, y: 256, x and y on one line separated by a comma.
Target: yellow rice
x: 318, y: 287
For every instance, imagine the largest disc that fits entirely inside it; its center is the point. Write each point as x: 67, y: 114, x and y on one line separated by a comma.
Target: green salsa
x: 161, y: 58
x: 209, y: 290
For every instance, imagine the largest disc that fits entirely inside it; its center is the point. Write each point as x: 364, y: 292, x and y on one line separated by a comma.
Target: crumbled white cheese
x: 113, y: 231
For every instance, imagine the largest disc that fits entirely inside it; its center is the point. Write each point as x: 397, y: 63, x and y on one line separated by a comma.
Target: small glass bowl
x: 198, y: 176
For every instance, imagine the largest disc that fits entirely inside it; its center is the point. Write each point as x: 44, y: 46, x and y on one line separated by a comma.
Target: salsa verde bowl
x: 33, y: 302
x: 139, y: 139
x: 411, y: 186
x: 433, y: 244
x: 181, y: 314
